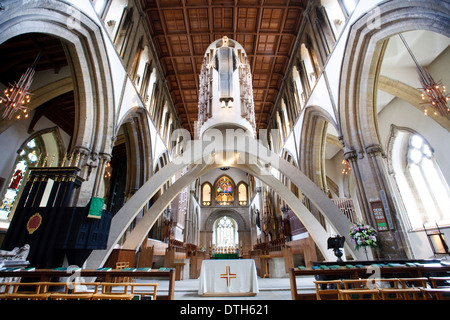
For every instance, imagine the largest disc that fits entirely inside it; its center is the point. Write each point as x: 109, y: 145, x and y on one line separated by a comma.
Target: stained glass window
x: 28, y: 156
x: 224, y: 191
x: 225, y: 233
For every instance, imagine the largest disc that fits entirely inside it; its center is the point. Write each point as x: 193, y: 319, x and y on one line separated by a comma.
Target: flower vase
x: 365, y: 251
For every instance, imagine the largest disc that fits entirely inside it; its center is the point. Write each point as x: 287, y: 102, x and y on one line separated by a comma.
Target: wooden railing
x: 47, y: 275
x: 347, y: 207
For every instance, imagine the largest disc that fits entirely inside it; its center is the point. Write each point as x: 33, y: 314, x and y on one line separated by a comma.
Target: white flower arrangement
x: 363, y: 236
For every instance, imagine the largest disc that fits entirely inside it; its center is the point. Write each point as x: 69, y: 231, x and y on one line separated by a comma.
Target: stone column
x: 373, y: 190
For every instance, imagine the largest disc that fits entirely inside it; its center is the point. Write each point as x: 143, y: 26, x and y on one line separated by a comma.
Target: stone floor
x: 269, y: 289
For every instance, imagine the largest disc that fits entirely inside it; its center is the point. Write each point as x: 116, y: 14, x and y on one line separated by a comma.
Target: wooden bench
x: 46, y: 275
x: 326, y: 290
x: 143, y: 294
x: 72, y: 290
x: 437, y: 290
x: 328, y: 273
x: 359, y: 289
x: 107, y: 292
x: 33, y: 291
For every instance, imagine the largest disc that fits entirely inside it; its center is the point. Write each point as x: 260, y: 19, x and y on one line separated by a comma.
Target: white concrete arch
x: 203, y: 155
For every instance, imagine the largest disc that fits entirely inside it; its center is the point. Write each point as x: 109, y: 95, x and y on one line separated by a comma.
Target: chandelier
x: 434, y: 94
x: 346, y: 167
x: 17, y: 96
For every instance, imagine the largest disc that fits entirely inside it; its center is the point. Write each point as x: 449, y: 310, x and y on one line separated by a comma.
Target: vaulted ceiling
x: 183, y: 29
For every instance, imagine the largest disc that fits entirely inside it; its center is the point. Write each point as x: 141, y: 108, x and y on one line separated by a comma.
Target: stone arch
x: 138, y: 142
x: 313, y: 141
x: 87, y: 58
x: 360, y: 67
x: 216, y: 214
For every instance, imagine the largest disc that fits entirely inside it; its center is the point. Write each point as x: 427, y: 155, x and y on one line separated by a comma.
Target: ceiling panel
x: 183, y: 29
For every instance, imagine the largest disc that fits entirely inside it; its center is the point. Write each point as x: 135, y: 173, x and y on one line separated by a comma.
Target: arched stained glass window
x: 224, y: 191
x: 27, y: 157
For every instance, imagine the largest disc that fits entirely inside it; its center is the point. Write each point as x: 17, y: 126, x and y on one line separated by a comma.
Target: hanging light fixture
x: 17, y: 96
x: 346, y: 167
x: 434, y: 94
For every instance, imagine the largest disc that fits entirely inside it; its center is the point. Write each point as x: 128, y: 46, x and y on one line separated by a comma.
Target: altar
x: 228, y: 278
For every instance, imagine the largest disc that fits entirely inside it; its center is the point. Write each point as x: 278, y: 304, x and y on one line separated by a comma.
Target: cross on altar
x: 228, y: 275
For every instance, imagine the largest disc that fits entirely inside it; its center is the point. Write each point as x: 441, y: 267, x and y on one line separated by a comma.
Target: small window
x: 242, y: 190
x: 206, y: 194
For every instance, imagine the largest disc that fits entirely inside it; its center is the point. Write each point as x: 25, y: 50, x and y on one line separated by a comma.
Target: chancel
x: 237, y: 150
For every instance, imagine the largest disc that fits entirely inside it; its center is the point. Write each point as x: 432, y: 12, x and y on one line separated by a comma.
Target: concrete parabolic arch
x: 201, y: 156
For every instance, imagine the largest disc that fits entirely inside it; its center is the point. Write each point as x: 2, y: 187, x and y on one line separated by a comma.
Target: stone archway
x: 91, y: 76
x: 243, y: 228
x: 359, y: 76
x: 357, y: 107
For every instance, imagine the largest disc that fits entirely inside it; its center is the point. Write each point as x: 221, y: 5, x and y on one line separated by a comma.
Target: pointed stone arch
x: 88, y: 60
x: 361, y: 64
x: 313, y: 141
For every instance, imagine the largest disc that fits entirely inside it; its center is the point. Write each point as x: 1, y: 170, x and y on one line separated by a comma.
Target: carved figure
x: 225, y: 62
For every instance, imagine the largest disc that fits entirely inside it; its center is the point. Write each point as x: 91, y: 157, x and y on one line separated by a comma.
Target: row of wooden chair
x: 384, y: 289
x: 76, y: 290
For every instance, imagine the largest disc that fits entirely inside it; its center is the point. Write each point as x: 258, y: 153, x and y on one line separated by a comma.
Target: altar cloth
x: 228, y: 278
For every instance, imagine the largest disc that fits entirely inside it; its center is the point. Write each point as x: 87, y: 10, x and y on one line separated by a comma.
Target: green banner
x: 96, y: 208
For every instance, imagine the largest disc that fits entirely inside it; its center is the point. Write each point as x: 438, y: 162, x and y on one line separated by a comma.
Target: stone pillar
x: 374, y: 195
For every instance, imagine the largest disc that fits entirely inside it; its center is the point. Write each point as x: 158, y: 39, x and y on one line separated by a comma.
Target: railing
x: 347, y: 207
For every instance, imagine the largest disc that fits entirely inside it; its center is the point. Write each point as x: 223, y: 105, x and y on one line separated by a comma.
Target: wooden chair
x: 72, y: 291
x: 440, y: 289
x: 440, y: 282
x: 141, y: 293
x: 4, y: 287
x: 404, y: 289
x: 327, y: 290
x: 33, y: 292
x: 359, y: 289
x: 121, y: 266
x: 107, y: 292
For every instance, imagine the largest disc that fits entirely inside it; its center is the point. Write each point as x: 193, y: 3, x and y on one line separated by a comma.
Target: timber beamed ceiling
x: 182, y: 30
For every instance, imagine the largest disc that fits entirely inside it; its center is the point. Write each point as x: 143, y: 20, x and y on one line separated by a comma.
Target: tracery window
x: 224, y: 191
x: 225, y: 232
x: 424, y: 190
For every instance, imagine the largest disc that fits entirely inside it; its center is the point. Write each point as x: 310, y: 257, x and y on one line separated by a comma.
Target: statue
x: 225, y: 62
x: 16, y: 257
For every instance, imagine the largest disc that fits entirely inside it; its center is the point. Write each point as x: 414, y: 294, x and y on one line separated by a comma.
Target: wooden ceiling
x: 183, y: 29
